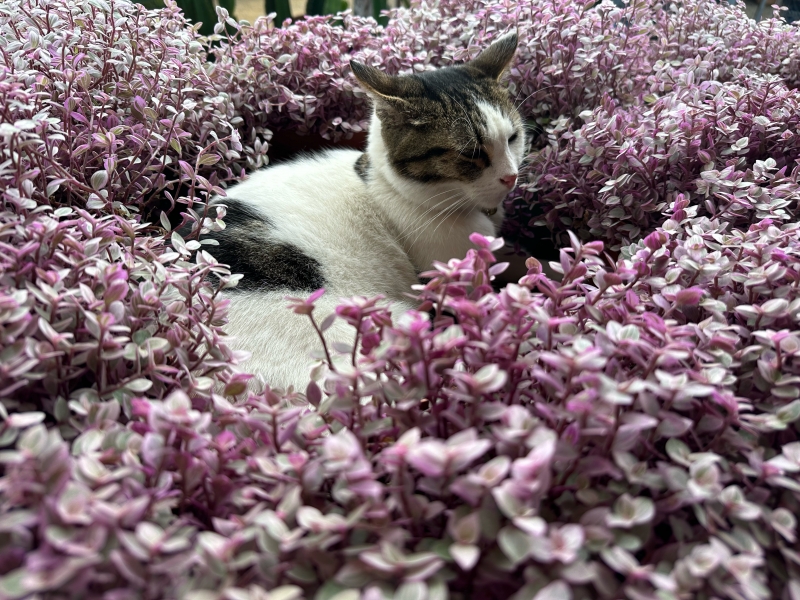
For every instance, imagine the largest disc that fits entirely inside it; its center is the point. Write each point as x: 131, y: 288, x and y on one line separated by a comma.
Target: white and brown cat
x: 444, y: 149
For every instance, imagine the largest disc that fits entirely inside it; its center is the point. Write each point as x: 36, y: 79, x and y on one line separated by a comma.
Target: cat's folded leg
x: 284, y: 346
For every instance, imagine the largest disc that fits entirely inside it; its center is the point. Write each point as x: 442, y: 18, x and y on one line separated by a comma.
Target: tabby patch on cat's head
x: 454, y: 126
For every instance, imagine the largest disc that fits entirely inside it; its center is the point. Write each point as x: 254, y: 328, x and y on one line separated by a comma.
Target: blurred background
x: 204, y: 10
x: 251, y: 9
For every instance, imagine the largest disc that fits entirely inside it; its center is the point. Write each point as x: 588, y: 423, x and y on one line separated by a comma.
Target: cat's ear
x: 493, y: 61
x: 377, y: 83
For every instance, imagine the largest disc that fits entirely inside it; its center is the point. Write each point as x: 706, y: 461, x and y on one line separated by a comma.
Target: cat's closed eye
x: 474, y: 155
x: 513, y: 138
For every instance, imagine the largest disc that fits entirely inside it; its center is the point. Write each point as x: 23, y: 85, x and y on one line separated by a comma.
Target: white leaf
x: 139, y: 385
x: 22, y: 420
x: 465, y: 555
x: 558, y: 590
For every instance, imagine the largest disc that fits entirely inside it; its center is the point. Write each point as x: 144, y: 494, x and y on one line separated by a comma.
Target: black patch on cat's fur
x: 239, y: 215
x: 244, y: 245
x: 362, y: 167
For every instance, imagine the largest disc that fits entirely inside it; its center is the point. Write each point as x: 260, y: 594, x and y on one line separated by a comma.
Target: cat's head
x: 454, y: 127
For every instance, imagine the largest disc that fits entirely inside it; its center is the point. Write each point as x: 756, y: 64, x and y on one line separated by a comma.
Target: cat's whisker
x: 416, y: 220
x: 466, y: 115
x: 472, y: 141
x: 410, y: 229
x: 519, y: 104
x: 459, y: 119
x: 532, y: 125
x: 422, y: 227
x: 465, y: 118
x: 450, y: 212
x: 442, y: 213
x: 529, y: 123
x: 460, y: 212
x: 407, y: 234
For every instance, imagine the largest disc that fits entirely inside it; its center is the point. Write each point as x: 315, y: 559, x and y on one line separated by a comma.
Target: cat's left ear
x: 378, y: 84
x: 493, y: 61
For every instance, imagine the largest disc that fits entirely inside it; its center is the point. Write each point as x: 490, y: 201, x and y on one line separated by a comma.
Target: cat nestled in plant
x: 444, y: 149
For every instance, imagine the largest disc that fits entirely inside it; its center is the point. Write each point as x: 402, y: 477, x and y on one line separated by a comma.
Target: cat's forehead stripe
x: 456, y: 97
x: 454, y: 118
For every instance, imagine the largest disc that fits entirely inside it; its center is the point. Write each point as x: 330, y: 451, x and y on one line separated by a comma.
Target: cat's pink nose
x: 509, y: 180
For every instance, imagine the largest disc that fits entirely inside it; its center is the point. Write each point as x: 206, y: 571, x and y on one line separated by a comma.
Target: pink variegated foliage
x: 627, y: 430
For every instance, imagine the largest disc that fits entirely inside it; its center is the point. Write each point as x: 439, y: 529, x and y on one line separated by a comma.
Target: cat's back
x: 309, y: 184
x: 313, y: 216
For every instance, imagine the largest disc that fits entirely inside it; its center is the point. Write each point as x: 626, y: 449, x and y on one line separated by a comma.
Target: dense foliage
x: 629, y: 431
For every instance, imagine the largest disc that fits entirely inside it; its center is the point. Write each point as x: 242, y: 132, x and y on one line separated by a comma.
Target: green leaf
x: 12, y: 586
x: 678, y: 451
x: 208, y: 159
x: 558, y: 590
x: 149, y: 534
x: 165, y: 222
x: 579, y: 572
x: 515, y: 544
x: 789, y: 413
x: 273, y: 524
x: 99, y: 180
x: 18, y: 519
x: 410, y: 590
x: 334, y: 591
x: 33, y: 440
x: 619, y: 559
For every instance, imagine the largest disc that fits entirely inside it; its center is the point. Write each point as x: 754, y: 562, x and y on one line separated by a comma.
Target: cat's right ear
x: 377, y: 83
x: 493, y: 61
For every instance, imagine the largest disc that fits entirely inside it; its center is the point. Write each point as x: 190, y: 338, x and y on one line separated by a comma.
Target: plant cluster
x: 731, y: 146
x: 296, y: 77
x: 629, y: 430
x: 582, y: 72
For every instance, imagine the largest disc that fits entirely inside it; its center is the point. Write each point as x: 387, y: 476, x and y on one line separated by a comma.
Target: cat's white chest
x: 445, y: 239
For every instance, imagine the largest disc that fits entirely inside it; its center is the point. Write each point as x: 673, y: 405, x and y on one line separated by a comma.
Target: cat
x: 443, y: 150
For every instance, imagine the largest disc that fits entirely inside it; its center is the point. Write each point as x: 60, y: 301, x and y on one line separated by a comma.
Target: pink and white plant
x: 627, y: 431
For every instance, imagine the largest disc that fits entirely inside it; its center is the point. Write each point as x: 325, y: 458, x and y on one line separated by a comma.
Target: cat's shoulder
x: 308, y: 185
x: 309, y: 169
